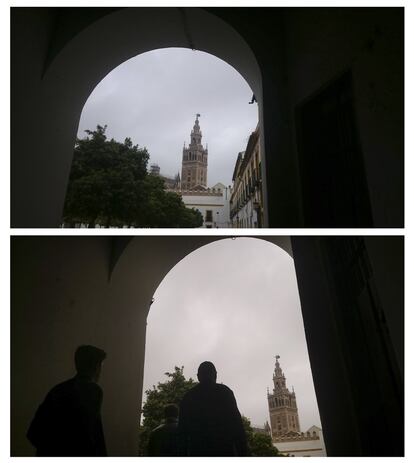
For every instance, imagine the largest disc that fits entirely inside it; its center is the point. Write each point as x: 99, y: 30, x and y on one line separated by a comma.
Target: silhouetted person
x: 163, y: 439
x: 209, y: 421
x: 68, y: 422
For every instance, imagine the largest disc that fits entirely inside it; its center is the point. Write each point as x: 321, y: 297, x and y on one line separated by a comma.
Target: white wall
x: 308, y: 448
x: 219, y: 205
x: 311, y: 448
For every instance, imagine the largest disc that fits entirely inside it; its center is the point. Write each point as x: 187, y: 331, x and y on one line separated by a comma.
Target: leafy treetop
x: 109, y: 185
x: 168, y: 392
x: 172, y: 391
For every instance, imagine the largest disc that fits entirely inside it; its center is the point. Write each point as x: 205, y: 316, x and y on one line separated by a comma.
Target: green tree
x: 109, y: 185
x: 168, y: 392
x: 260, y: 444
x: 166, y: 209
x: 171, y: 392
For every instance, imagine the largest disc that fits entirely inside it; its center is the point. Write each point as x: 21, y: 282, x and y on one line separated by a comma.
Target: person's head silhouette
x: 88, y: 361
x: 170, y: 412
x: 207, y: 373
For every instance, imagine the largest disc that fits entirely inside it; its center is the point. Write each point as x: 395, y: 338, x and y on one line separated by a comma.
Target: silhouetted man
x: 68, y: 422
x: 163, y: 439
x: 209, y: 421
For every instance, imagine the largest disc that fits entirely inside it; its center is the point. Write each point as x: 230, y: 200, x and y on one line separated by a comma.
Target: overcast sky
x: 154, y: 97
x: 235, y: 303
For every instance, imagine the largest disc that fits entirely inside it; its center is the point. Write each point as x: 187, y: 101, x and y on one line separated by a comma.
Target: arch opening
x: 235, y: 302
x: 72, y: 290
x: 75, y: 66
x: 56, y: 65
x: 152, y: 100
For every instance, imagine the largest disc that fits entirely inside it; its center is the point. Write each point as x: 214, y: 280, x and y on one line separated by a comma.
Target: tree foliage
x: 168, y: 392
x: 172, y: 391
x: 260, y: 444
x: 109, y: 185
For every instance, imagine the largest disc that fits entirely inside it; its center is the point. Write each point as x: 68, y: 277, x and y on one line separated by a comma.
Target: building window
x: 209, y: 216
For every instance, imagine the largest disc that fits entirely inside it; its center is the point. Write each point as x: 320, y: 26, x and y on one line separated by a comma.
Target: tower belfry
x: 194, y: 163
x: 283, y: 410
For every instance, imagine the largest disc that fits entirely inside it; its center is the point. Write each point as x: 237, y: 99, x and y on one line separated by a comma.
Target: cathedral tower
x: 283, y: 410
x: 194, y: 165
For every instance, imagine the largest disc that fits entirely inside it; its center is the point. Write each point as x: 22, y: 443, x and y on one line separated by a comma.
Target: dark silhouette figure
x: 163, y: 440
x: 68, y: 422
x: 209, y: 421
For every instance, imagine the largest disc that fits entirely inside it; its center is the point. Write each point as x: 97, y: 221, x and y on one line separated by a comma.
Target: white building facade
x: 213, y: 203
x: 306, y: 444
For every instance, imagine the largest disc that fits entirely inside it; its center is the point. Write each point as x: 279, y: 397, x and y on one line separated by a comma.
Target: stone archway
x: 68, y: 67
x: 74, y: 290
x: 298, y: 61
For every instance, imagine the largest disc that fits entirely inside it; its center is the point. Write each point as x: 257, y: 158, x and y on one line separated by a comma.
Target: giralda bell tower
x: 194, y: 165
x: 283, y: 410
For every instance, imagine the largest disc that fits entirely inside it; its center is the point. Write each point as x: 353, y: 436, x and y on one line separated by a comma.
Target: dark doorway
x: 334, y: 188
